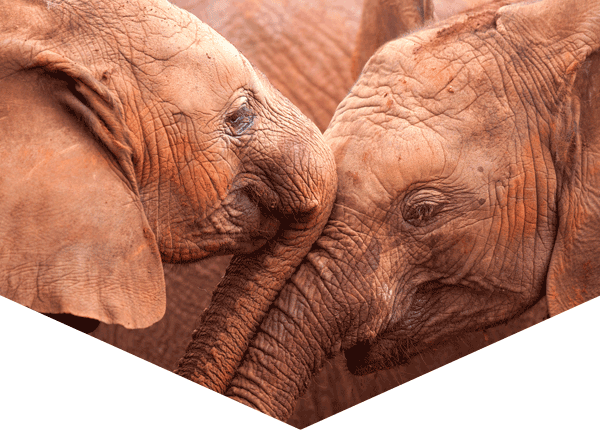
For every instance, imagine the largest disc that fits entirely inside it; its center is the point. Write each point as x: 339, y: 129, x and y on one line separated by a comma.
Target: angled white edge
x: 53, y: 376
x: 544, y: 377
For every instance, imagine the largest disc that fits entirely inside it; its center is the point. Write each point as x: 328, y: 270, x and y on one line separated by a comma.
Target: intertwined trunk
x: 253, y: 282
x: 293, y: 342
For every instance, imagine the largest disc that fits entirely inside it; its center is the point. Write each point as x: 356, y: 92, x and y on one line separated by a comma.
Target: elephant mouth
x: 379, y: 354
x: 244, y: 223
x: 84, y: 325
x: 394, y: 346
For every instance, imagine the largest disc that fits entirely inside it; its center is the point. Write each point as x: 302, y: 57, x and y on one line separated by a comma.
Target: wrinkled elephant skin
x: 133, y: 133
x: 467, y: 159
x: 304, y: 47
x: 385, y: 20
x: 332, y: 390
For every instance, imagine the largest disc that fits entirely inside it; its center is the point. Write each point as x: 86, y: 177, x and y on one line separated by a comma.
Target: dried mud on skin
x: 334, y: 389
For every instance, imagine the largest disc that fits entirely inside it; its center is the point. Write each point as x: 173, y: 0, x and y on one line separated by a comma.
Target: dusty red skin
x: 132, y: 132
x: 385, y: 20
x: 189, y: 288
x: 332, y: 390
x: 503, y: 211
x: 321, y: 37
x: 304, y: 47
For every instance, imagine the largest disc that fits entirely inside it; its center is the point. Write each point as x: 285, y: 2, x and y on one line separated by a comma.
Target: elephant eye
x: 419, y: 209
x: 240, y: 120
x: 419, y: 215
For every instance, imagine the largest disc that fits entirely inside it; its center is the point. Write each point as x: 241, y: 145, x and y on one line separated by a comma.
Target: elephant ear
x: 574, y: 272
x: 385, y: 20
x: 573, y: 27
x: 73, y: 235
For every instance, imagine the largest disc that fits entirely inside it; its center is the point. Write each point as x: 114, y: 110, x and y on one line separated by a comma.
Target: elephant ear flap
x: 574, y: 271
x: 385, y: 20
x: 73, y: 234
x: 570, y: 30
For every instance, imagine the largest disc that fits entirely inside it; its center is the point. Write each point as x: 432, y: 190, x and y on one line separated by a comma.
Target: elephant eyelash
x: 240, y: 120
x: 420, y: 208
x: 419, y: 214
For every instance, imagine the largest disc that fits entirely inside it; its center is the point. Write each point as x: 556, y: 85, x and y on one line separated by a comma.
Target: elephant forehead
x: 191, y: 64
x: 204, y: 77
x: 408, y: 61
x: 377, y: 164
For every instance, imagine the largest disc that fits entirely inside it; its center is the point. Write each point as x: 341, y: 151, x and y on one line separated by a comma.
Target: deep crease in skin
x: 523, y: 216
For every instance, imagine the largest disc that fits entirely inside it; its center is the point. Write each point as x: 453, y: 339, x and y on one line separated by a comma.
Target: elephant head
x: 132, y: 132
x: 304, y: 47
x: 468, y: 161
x: 385, y: 20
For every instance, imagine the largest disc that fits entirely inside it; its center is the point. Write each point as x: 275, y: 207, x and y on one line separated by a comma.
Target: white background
x: 52, y: 376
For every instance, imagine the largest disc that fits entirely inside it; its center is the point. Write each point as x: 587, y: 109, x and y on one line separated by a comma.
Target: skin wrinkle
x: 272, y: 25
x: 361, y: 298
x: 338, y: 306
x: 312, y: 307
x: 289, y: 370
x: 521, y: 211
x: 161, y: 139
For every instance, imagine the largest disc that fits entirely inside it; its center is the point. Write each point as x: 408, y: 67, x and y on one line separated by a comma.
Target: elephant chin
x: 84, y: 325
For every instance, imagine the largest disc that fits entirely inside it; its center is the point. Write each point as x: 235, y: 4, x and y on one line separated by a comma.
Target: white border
x: 52, y: 376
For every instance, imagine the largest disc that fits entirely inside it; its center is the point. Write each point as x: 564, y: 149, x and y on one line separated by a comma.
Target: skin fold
x: 322, y: 38
x: 133, y: 133
x: 467, y: 159
x: 333, y: 389
x: 305, y: 50
x: 385, y: 20
x: 304, y: 47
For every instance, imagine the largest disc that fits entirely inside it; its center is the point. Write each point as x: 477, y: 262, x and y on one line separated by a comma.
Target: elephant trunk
x: 293, y: 342
x: 252, y: 282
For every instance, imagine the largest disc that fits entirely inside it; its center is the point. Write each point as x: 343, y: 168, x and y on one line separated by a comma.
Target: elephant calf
x: 468, y: 159
x: 132, y: 132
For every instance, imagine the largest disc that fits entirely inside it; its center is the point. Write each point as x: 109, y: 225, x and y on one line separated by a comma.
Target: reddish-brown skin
x: 333, y: 389
x: 189, y: 289
x: 310, y: 66
x: 477, y: 146
x: 304, y: 47
x: 131, y: 132
x: 385, y: 20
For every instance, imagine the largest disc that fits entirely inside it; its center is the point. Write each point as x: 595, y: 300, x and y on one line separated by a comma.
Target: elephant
x: 334, y: 389
x: 308, y: 66
x: 468, y: 189
x: 132, y: 134
x: 317, y: 88
x: 303, y: 47
x: 384, y: 20
x: 188, y: 287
